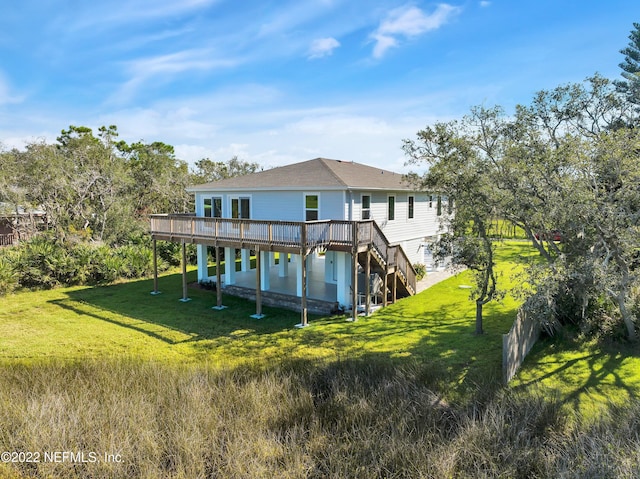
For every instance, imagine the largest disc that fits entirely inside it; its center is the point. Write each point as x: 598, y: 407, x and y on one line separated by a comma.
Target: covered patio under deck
x: 282, y: 287
x: 278, y: 282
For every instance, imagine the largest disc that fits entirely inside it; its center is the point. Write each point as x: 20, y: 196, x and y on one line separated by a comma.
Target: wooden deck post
x: 303, y: 279
x: 354, y: 271
x: 394, y: 287
x: 219, y: 306
x: 385, y: 286
x: 155, y: 268
x: 185, y: 296
x: 258, y: 314
x: 367, y: 283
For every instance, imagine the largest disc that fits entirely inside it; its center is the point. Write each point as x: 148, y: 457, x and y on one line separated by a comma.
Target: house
x: 317, y: 228
x: 19, y: 223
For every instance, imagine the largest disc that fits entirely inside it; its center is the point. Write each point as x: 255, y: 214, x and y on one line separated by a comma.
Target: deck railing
x: 285, y: 234
x: 7, y: 239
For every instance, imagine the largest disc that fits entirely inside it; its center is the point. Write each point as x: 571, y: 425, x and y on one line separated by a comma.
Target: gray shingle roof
x: 318, y: 173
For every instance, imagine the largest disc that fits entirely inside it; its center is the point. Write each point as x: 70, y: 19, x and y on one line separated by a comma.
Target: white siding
x: 402, y: 229
x: 289, y: 206
x: 279, y: 205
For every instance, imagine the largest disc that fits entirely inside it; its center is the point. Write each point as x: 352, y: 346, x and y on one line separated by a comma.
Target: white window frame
x: 362, y: 209
x: 411, y: 214
x: 213, y: 199
x: 395, y: 204
x: 240, y: 197
x: 304, y: 204
x: 204, y: 206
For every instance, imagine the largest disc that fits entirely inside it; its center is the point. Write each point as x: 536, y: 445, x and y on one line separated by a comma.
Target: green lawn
x: 181, y: 390
x: 435, y: 327
x: 587, y: 377
x: 124, y: 320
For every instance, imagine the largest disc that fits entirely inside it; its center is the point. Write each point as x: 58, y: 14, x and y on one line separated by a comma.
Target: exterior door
x: 240, y: 208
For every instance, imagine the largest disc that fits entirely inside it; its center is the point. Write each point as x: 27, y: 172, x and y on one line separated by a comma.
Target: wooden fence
x: 517, y: 343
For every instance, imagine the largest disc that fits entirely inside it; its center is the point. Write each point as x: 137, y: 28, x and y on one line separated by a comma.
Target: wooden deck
x: 288, y: 237
x: 364, y: 240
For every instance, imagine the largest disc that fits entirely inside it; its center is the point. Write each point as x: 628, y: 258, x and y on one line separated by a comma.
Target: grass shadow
x: 435, y: 327
x: 132, y: 306
x: 587, y: 376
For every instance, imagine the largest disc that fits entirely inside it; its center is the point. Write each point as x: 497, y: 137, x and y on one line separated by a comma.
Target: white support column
x: 264, y: 271
x: 229, y: 266
x: 203, y: 262
x: 283, y: 266
x: 329, y: 258
x: 298, y: 264
x: 245, y: 260
x: 343, y: 288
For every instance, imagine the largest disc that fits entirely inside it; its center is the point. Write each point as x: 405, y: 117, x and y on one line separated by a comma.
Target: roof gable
x: 317, y: 173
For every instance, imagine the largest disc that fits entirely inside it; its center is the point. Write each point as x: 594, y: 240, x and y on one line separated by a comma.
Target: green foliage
x: 421, y: 270
x: 408, y: 392
x: 45, y: 262
x: 564, y: 163
x: 630, y: 86
x: 208, y: 170
x: 8, y: 275
x: 461, y: 168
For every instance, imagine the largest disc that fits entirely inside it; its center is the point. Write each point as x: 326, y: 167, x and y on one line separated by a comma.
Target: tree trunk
x: 479, y: 304
x: 627, y: 317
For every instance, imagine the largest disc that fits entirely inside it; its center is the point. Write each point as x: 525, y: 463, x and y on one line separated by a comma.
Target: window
x: 213, y: 207
x: 240, y: 208
x: 439, y: 212
x: 391, y: 210
x: 430, y: 201
x: 411, y: 204
x: 217, y: 207
x: 366, y: 207
x: 311, y: 207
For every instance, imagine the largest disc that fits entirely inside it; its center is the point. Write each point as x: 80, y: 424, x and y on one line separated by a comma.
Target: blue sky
x: 286, y: 81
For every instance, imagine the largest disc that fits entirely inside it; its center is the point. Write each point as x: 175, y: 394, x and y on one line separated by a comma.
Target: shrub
x: 37, y: 261
x: 8, y: 275
x: 48, y: 262
x: 137, y: 260
x: 421, y: 270
x: 106, y: 266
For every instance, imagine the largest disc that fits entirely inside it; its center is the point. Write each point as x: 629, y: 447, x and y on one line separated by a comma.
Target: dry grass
x: 361, y: 418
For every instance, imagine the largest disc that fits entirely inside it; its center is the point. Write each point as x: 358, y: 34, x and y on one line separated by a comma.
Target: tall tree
x: 80, y: 180
x: 159, y: 178
x: 630, y: 86
x: 565, y: 162
x: 459, y: 169
x: 96, y: 176
x: 207, y: 170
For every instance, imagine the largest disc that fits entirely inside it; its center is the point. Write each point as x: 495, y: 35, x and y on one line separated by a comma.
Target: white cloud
x: 99, y: 16
x: 165, y: 67
x: 6, y: 94
x: 485, y: 3
x: 409, y: 21
x: 323, y: 47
